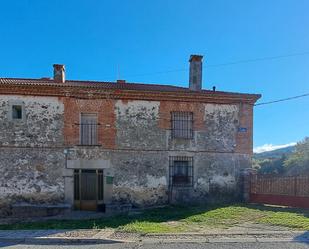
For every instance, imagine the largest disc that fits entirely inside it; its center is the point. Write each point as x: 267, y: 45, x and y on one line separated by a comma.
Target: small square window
x: 17, y: 112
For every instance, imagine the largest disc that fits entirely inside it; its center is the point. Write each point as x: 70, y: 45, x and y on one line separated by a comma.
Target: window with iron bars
x: 88, y: 129
x: 181, y: 171
x: 182, y: 125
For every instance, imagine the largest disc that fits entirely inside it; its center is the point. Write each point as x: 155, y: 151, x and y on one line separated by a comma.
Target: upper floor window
x: 88, y: 129
x: 17, y: 112
x: 182, y: 125
x: 181, y: 171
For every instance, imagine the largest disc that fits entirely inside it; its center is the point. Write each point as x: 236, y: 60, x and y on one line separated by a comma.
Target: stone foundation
x: 39, y: 210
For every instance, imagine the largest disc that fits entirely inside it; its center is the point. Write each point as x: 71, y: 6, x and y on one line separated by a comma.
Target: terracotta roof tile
x: 112, y: 85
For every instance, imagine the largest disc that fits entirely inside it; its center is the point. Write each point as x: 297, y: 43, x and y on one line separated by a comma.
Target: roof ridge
x: 38, y: 79
x: 120, y: 86
x: 91, y: 81
x: 136, y: 83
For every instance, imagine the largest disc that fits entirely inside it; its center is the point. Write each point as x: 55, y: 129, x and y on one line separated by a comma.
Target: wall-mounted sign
x: 109, y: 180
x: 242, y: 129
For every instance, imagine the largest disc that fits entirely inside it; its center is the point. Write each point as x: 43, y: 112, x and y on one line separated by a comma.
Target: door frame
x: 77, y: 191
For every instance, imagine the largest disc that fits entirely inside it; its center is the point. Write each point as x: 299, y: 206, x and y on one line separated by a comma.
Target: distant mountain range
x: 274, y: 153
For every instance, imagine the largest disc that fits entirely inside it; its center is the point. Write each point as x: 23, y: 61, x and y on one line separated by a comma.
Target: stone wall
x: 135, y: 145
x: 139, y: 161
x: 42, y: 124
x: 137, y: 125
x: 31, y: 156
x: 142, y: 177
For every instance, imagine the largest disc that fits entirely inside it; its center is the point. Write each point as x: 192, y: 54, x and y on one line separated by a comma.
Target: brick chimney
x: 59, y: 73
x: 195, y: 77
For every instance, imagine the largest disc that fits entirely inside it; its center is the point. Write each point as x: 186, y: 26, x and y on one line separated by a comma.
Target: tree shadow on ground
x: 155, y: 215
x: 273, y: 208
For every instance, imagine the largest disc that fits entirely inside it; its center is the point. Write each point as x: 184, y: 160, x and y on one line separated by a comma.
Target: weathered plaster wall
x: 42, y: 125
x: 220, y: 122
x: 142, y: 177
x: 31, y: 157
x: 137, y: 125
x: 215, y: 126
x: 31, y: 175
x: 216, y: 178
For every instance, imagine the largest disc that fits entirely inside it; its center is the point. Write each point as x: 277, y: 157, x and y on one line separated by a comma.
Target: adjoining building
x: 91, y: 145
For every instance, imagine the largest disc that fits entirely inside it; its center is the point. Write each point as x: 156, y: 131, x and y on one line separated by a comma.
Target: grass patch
x: 292, y: 220
x: 182, y: 219
x: 151, y: 227
x: 224, y: 217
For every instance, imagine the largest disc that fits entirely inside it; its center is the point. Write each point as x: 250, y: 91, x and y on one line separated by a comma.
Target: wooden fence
x: 286, y: 191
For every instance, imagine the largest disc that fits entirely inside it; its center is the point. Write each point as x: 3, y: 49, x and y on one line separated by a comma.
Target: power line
x: 226, y: 64
x: 258, y: 59
x: 281, y: 100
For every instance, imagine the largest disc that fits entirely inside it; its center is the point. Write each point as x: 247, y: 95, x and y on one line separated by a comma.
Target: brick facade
x: 106, y: 118
x: 105, y: 109
x: 166, y: 107
x: 245, y: 138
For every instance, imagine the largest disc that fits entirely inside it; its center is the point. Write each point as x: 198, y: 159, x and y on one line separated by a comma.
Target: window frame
x: 13, y: 103
x: 17, y: 112
x: 181, y: 180
x: 77, y: 191
x: 96, y: 132
x: 182, y: 125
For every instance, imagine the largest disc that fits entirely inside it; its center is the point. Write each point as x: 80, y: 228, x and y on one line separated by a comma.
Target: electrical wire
x: 281, y: 100
x: 226, y: 64
x: 258, y: 59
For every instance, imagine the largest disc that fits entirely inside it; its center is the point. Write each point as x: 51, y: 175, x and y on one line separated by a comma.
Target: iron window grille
x: 182, y: 125
x: 88, y: 129
x: 181, y: 171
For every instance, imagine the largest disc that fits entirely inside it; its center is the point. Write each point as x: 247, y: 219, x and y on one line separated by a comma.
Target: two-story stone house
x: 88, y: 143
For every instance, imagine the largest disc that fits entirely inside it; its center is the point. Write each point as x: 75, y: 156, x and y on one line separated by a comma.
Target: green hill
x: 274, y: 154
x: 292, y: 160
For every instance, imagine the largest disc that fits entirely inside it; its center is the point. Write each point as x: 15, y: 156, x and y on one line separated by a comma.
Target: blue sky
x: 94, y: 37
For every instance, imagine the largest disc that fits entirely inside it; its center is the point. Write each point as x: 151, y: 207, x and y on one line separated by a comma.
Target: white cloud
x: 270, y: 147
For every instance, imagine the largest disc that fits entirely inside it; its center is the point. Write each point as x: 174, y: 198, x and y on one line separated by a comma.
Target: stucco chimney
x: 59, y: 73
x: 195, y: 77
